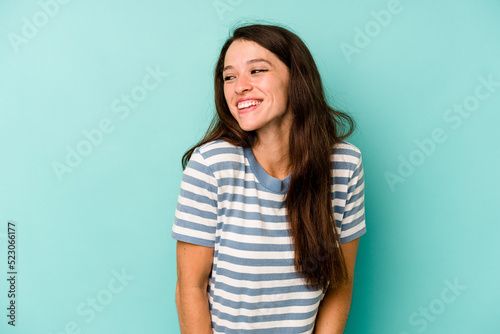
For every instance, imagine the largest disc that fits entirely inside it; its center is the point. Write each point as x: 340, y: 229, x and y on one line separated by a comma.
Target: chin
x: 248, y: 128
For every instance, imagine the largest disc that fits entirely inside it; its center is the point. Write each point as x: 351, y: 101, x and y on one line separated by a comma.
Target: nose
x: 243, y: 84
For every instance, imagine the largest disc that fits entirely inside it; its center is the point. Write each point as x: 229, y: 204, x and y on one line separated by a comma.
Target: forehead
x: 241, y: 51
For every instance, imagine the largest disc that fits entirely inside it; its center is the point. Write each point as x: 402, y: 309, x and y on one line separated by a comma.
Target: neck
x: 271, y: 150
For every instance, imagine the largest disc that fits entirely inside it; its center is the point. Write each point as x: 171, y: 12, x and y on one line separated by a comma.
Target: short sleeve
x: 195, y: 219
x: 353, y: 221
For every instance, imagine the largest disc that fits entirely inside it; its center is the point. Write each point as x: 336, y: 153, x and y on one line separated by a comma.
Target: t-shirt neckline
x: 268, y: 181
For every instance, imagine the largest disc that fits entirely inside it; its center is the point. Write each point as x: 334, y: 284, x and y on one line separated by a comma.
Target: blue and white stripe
x: 228, y: 201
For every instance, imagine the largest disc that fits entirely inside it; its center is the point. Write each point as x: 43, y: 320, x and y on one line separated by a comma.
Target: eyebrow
x: 251, y: 61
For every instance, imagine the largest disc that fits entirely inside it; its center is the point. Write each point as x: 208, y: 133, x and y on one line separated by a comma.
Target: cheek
x: 233, y: 113
x: 226, y: 94
x: 279, y: 89
x: 284, y: 91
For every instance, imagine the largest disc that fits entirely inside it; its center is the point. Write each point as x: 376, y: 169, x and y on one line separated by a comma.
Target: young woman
x: 271, y: 205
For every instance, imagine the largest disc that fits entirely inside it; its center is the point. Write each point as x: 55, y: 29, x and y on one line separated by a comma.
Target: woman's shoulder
x: 344, y: 147
x: 218, y: 147
x: 219, y: 154
x: 346, y: 152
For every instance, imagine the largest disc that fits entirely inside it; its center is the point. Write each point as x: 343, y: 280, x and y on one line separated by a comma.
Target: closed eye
x: 258, y: 71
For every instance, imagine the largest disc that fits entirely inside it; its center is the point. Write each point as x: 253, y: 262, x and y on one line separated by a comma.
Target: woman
x: 271, y: 205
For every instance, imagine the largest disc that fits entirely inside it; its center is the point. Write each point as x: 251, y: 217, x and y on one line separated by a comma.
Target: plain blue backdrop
x: 99, y: 100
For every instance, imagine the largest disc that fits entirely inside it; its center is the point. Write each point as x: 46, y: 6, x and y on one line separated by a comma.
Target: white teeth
x: 246, y: 104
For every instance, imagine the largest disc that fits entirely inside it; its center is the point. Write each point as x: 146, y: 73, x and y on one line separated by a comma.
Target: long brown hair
x: 316, y: 129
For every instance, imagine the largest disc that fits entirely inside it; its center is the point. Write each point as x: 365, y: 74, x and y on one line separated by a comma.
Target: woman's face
x: 256, y: 87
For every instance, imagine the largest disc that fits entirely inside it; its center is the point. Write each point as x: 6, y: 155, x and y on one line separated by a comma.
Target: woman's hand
x: 194, y: 265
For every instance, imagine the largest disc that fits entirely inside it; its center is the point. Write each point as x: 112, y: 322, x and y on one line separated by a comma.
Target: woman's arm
x: 334, y: 309
x: 194, y: 265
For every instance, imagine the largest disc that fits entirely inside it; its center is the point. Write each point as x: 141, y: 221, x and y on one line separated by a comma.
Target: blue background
x: 430, y: 202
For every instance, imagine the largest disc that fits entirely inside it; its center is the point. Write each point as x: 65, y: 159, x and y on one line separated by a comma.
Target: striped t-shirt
x: 229, y: 202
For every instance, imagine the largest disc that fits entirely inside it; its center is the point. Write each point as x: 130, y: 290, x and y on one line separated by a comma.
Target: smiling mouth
x: 248, y: 104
